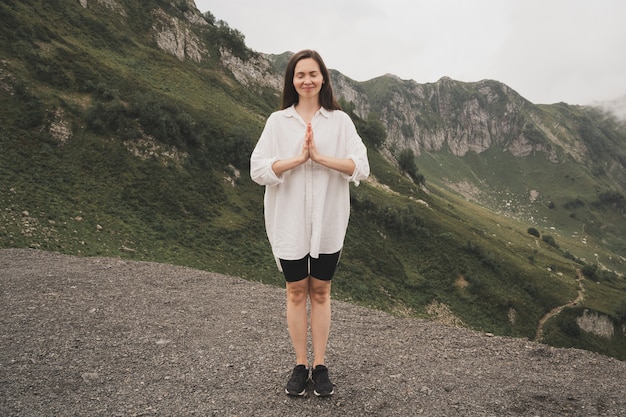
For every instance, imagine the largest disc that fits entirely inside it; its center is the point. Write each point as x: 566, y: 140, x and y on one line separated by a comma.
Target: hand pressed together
x: 309, y: 144
x: 309, y: 151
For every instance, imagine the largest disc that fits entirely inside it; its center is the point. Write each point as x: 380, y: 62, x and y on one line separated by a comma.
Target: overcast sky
x: 547, y: 50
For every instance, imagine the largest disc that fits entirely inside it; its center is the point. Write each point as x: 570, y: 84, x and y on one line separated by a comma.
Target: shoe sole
x: 323, y: 394
x: 295, y: 394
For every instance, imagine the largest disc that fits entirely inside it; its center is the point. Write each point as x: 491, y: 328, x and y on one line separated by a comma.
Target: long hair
x: 290, y: 95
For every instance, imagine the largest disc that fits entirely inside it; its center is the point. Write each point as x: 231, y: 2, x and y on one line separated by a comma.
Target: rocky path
x: 557, y: 310
x: 110, y: 337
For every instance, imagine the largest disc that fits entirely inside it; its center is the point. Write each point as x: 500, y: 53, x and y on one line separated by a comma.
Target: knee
x: 320, y: 294
x: 296, y: 295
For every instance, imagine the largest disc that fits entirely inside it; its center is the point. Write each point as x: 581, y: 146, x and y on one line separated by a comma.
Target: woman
x: 306, y: 156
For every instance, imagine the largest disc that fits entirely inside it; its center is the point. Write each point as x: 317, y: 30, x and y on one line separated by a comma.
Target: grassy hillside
x: 112, y: 147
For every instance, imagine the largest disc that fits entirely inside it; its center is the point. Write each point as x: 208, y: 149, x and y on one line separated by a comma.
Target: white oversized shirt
x: 307, y: 208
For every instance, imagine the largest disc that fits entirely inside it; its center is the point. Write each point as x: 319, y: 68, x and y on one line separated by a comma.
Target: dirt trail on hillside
x: 111, y: 337
x: 557, y: 310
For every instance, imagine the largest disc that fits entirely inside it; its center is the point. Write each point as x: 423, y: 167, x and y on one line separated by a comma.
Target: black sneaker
x: 323, y: 386
x: 297, y: 383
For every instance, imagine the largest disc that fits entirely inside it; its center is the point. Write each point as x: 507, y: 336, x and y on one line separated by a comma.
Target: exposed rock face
x: 146, y: 147
x: 255, y: 71
x: 195, y: 18
x: 7, y: 80
x: 350, y: 91
x: 59, y: 128
x: 429, y: 117
x: 592, y: 322
x: 174, y: 36
x: 192, y: 14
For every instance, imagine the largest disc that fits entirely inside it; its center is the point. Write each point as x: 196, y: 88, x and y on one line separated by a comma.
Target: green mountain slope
x: 118, y: 141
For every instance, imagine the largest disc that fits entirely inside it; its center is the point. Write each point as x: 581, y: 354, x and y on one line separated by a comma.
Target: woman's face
x: 307, y: 78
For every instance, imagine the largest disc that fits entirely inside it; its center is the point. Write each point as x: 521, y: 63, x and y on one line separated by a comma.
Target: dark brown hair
x: 290, y: 95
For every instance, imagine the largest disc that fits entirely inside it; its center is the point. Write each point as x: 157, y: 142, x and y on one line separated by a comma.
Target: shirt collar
x: 291, y: 112
x: 325, y: 113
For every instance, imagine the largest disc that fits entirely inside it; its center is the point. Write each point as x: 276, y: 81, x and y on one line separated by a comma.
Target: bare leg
x: 319, y: 293
x: 297, y: 294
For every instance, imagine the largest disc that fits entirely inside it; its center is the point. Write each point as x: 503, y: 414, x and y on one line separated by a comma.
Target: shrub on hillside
x: 550, y: 241
x: 371, y: 130
x: 620, y: 311
x: 234, y: 148
x: 209, y: 17
x: 533, y: 231
x: 406, y: 160
x: 589, y: 271
x: 610, y: 199
x: 109, y: 117
x: 165, y: 121
x: 593, y: 272
x: 569, y: 327
x: 34, y: 109
x: 574, y: 204
x: 233, y: 40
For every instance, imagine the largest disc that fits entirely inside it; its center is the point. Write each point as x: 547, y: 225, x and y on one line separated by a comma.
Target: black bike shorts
x: 322, y: 268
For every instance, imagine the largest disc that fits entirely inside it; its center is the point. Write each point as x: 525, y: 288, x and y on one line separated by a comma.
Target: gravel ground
x: 111, y: 337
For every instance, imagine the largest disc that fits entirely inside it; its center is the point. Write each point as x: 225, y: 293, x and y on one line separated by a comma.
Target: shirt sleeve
x: 263, y: 158
x: 356, y: 151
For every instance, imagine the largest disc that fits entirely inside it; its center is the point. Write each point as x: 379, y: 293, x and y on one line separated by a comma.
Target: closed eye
x: 312, y: 74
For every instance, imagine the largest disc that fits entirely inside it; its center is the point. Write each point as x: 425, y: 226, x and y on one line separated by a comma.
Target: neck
x: 309, y: 103
x: 307, y: 108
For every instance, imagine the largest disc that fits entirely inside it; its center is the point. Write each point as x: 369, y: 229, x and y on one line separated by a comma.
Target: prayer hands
x: 309, y: 144
x: 309, y: 151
